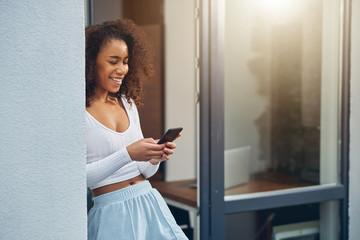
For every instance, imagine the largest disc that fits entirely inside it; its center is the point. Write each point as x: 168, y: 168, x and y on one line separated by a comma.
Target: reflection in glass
x: 281, y: 94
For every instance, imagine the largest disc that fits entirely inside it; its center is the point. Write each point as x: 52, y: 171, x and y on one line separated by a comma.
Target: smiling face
x: 111, y: 66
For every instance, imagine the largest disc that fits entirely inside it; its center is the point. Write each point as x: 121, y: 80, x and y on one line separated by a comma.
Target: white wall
x: 354, y: 196
x: 180, y: 83
x: 42, y: 132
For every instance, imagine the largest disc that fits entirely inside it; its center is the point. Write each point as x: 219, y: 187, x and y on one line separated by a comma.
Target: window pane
x: 282, y: 68
x: 304, y: 222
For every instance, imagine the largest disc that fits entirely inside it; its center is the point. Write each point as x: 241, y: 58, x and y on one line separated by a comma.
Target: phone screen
x: 170, y: 135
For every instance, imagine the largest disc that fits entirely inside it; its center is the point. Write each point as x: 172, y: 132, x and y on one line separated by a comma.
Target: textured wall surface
x: 354, y: 196
x: 42, y: 150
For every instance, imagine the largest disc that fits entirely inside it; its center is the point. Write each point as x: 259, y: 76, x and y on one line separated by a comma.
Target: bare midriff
x: 116, y: 186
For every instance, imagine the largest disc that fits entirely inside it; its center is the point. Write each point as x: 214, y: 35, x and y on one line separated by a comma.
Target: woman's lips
x: 116, y: 80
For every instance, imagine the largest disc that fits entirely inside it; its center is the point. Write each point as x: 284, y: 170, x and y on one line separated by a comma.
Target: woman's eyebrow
x: 117, y: 57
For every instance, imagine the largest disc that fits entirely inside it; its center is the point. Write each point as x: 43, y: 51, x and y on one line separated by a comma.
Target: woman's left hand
x: 168, y: 150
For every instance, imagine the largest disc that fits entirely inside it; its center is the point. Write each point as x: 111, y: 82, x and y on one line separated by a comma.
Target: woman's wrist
x: 154, y: 162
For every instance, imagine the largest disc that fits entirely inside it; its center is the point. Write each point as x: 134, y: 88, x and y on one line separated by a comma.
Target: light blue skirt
x: 137, y: 212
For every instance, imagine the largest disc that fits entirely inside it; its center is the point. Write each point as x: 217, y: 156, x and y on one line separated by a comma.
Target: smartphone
x: 170, y: 135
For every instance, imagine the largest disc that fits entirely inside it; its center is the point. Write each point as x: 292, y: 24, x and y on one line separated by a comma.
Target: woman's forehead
x: 114, y: 45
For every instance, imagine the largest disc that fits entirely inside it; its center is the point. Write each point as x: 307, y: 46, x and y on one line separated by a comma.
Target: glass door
x: 273, y: 132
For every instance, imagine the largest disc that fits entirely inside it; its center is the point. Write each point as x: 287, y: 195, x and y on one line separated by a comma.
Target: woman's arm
x: 103, y: 168
x: 148, y: 169
x: 141, y: 151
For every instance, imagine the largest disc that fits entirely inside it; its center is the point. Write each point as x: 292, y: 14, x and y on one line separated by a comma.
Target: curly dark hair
x: 140, y: 57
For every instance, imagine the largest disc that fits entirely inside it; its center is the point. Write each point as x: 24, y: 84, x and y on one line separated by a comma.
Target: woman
x: 119, y: 159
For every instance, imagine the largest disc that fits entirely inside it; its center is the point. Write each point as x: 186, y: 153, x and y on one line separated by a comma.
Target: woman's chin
x: 115, y: 90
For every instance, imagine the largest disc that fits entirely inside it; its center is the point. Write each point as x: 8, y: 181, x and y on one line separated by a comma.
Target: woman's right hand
x: 145, y: 150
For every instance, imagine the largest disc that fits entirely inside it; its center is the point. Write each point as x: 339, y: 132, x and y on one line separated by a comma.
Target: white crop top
x: 107, y: 159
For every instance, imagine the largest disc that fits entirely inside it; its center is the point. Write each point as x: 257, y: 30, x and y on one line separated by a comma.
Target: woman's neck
x: 101, y: 96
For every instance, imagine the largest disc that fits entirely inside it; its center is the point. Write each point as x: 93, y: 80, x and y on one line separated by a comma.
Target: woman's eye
x: 113, y: 63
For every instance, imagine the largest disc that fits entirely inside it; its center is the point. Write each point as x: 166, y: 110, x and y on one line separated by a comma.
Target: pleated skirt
x: 137, y: 212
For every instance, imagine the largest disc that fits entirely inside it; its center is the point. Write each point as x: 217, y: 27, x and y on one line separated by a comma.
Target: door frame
x: 213, y: 207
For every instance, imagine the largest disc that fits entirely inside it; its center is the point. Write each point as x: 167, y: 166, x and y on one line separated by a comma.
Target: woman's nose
x: 120, y: 70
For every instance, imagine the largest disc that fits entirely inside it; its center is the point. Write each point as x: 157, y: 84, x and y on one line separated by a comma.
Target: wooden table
x: 183, y: 192
x: 267, y: 181
x: 179, y: 191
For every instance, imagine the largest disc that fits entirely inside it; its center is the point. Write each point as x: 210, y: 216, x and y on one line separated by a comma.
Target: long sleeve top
x: 107, y: 159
